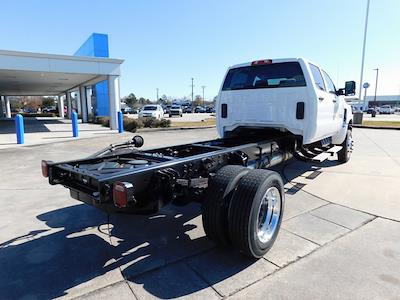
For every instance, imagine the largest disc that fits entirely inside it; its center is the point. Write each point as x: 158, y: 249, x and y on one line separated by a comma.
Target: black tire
x: 245, y: 207
x: 216, y: 202
x: 345, y: 153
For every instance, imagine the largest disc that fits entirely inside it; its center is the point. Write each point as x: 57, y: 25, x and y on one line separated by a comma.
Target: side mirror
x: 350, y: 88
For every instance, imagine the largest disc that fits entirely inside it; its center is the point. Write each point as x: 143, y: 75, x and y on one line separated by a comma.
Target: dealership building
x: 372, y: 101
x: 86, y: 82
x: 392, y: 100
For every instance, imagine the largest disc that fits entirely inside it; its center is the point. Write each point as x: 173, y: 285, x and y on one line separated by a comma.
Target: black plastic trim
x: 300, y: 110
x: 224, y: 110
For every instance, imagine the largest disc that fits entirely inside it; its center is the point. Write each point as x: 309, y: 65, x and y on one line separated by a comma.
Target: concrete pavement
x: 47, y: 130
x: 339, y: 239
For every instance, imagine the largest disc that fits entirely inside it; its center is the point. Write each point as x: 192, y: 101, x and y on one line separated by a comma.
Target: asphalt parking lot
x: 340, y: 237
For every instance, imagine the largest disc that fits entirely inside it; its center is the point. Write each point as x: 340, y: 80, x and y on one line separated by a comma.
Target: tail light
x: 262, y: 62
x: 122, y: 194
x: 45, y: 168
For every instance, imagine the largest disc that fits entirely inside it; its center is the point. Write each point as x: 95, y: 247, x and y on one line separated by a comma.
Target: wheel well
x: 350, y: 125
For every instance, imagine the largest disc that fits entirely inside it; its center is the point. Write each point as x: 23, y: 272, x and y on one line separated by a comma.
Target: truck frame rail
x: 156, y: 177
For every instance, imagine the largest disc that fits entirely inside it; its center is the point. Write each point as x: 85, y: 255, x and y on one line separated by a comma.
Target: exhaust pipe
x: 276, y: 159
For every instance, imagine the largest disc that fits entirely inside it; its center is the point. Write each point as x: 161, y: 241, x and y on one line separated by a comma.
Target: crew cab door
x: 327, y: 105
x: 338, y: 108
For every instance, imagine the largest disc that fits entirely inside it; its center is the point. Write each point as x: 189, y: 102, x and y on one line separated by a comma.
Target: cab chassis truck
x: 268, y: 111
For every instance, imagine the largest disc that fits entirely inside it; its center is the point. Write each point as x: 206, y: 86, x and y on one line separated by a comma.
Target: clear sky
x: 166, y: 42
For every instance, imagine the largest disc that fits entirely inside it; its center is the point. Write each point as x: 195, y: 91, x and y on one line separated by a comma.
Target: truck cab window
x: 329, y: 83
x: 276, y: 75
x: 319, y: 82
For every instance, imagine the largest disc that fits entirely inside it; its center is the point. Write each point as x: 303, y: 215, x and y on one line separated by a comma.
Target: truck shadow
x: 295, y: 169
x: 30, y: 125
x: 76, y: 251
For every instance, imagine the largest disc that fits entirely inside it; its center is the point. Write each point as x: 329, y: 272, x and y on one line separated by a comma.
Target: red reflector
x: 122, y: 194
x: 262, y: 62
x: 45, y: 169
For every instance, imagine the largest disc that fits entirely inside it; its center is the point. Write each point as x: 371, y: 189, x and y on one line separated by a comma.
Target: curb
x: 144, y: 130
x: 375, y: 127
x: 171, y: 128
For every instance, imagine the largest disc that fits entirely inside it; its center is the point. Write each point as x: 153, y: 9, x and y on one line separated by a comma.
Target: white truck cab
x: 291, y: 94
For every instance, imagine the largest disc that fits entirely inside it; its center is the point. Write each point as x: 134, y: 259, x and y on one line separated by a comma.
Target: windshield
x: 150, y: 108
x: 265, y: 76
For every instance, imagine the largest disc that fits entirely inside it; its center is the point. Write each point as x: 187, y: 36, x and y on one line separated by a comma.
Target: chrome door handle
x: 320, y: 98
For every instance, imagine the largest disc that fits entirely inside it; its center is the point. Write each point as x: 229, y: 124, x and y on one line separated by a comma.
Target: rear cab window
x: 275, y: 75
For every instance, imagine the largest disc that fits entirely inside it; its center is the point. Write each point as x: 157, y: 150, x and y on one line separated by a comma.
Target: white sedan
x: 152, y: 111
x: 386, y: 109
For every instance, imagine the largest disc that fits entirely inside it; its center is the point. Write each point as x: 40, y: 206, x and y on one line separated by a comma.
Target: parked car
x: 210, y: 109
x: 49, y: 109
x: 199, y: 109
x: 386, y: 109
x: 29, y: 110
x: 187, y: 109
x: 176, y: 110
x: 152, y: 111
x: 128, y: 110
x: 166, y: 108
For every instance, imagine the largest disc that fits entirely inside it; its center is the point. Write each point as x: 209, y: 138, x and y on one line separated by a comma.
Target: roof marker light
x: 262, y: 62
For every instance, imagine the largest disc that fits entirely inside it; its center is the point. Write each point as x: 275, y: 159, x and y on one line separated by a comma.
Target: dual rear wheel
x: 243, y: 209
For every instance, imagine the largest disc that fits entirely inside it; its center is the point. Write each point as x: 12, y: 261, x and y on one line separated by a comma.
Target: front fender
x: 339, y: 138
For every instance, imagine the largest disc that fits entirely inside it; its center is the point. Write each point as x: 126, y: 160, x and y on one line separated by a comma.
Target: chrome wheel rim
x: 269, y: 213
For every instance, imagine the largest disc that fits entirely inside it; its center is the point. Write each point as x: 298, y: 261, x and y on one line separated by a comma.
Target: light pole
x: 365, y: 86
x: 157, y: 95
x: 192, y: 91
x: 363, y: 50
x: 376, y: 84
x: 203, y: 87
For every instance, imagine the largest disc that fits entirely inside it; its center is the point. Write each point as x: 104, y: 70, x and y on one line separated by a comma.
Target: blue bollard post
x: 19, y: 128
x: 74, y: 124
x: 120, y: 122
